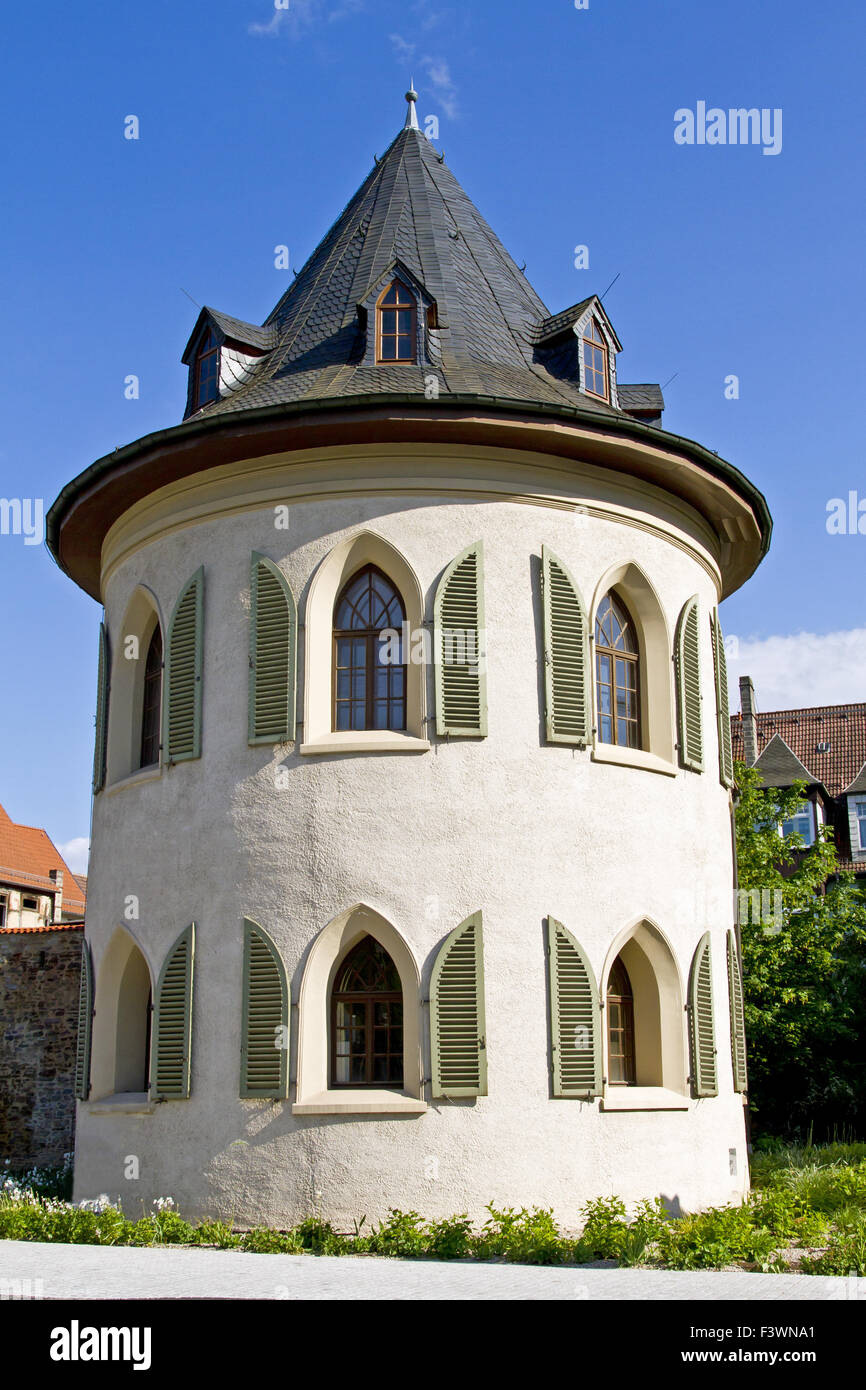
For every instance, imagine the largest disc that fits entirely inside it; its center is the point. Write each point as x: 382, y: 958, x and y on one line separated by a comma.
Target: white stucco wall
x: 509, y: 825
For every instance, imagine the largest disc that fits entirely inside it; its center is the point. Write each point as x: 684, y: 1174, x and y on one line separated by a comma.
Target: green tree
x: 804, y: 971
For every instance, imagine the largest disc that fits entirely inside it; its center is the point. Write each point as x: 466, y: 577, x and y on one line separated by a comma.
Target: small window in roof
x: 206, y: 371
x: 395, y: 324
x: 595, y: 378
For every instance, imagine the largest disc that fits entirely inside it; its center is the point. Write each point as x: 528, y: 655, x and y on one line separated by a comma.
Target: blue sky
x: 257, y: 125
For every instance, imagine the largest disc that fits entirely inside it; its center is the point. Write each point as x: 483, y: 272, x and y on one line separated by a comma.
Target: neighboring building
x: 825, y: 747
x: 41, y: 931
x: 37, y: 887
x: 415, y: 935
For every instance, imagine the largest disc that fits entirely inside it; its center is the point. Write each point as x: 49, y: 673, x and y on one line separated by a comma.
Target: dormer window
x: 207, y: 371
x: 395, y: 324
x: 595, y: 377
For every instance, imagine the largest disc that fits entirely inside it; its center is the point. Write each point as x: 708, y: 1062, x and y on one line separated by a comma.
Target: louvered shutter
x: 575, y: 1032
x: 738, y: 1026
x: 457, y: 1028
x: 273, y: 654
x: 172, y: 1021
x: 702, y: 1034
x: 459, y: 647
x: 265, y: 1019
x: 687, y: 661
x: 566, y: 655
x: 723, y: 716
x: 181, y: 736
x: 102, y: 684
x: 85, y: 1025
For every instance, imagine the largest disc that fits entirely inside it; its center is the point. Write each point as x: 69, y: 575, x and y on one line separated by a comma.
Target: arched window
x: 369, y: 670
x: 617, y: 674
x: 395, y: 324
x: 134, y: 1012
x: 151, y: 703
x: 367, y: 1019
x: 620, y: 1027
x: 207, y: 371
x: 595, y: 378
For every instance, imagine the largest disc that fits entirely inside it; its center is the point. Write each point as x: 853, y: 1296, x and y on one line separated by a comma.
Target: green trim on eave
x: 194, y: 428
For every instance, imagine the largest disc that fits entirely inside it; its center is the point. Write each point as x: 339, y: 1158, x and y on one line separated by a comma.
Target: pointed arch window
x: 620, y: 1027
x: 369, y: 665
x: 207, y: 371
x: 367, y: 1019
x: 151, y: 703
x: 617, y: 674
x: 595, y: 363
x: 395, y: 324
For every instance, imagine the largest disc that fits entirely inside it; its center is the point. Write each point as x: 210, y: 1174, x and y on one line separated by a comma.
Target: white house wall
x: 507, y: 824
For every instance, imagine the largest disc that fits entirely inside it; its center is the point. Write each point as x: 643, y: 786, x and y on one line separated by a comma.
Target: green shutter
x: 273, y: 654
x: 702, y: 1034
x: 172, y: 1021
x: 85, y: 1025
x: 687, y: 662
x: 566, y: 655
x: 723, y: 717
x: 102, y: 684
x: 458, y: 1044
x: 738, y: 1026
x: 265, y: 1020
x: 459, y: 647
x: 575, y: 1032
x: 181, y: 736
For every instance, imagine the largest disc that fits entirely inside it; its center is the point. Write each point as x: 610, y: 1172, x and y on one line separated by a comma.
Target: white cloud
x: 437, y: 70
x: 799, y: 669
x: 440, y: 76
x: 76, y: 853
x: 301, y: 15
x: 402, y: 48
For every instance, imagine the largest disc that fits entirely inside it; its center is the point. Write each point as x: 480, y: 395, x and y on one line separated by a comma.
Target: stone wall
x: 39, y: 982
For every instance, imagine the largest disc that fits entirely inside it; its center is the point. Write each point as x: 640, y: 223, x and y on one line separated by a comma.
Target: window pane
x: 404, y: 348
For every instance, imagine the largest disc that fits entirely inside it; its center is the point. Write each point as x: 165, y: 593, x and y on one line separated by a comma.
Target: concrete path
x: 88, y: 1271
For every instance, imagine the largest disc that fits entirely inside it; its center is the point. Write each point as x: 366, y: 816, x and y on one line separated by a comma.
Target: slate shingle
x: 411, y: 207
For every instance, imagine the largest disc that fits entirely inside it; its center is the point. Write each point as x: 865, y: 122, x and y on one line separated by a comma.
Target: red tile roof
x: 27, y: 856
x: 842, y: 726
x: 51, y: 926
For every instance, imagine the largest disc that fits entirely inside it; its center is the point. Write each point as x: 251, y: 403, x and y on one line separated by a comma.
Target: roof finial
x: 411, y: 114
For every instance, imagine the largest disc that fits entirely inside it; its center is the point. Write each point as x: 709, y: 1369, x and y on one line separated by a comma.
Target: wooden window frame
x: 625, y: 1003
x: 151, y: 734
x: 369, y: 998
x: 616, y: 655
x: 381, y: 309
x: 598, y: 343
x: 201, y: 357
x: 371, y: 637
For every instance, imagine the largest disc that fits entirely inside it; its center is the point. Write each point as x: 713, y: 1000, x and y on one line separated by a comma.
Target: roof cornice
x: 81, y: 515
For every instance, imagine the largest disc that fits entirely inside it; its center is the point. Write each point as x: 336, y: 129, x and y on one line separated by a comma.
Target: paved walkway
x: 88, y: 1271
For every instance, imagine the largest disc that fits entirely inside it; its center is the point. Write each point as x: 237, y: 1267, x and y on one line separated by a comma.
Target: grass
x: 806, y: 1211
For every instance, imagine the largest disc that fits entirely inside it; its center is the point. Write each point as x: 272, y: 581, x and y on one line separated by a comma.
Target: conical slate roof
x: 493, y: 335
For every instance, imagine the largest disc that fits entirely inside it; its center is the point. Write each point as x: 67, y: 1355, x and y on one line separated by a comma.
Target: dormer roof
x: 779, y: 765
x: 228, y: 329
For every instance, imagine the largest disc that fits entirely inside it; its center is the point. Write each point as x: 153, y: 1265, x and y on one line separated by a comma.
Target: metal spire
x: 411, y: 115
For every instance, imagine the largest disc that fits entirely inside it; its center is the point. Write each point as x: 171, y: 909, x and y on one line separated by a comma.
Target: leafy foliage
x: 807, y: 1200
x: 804, y: 971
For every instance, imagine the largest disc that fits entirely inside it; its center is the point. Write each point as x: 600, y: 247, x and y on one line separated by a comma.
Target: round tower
x: 412, y: 876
